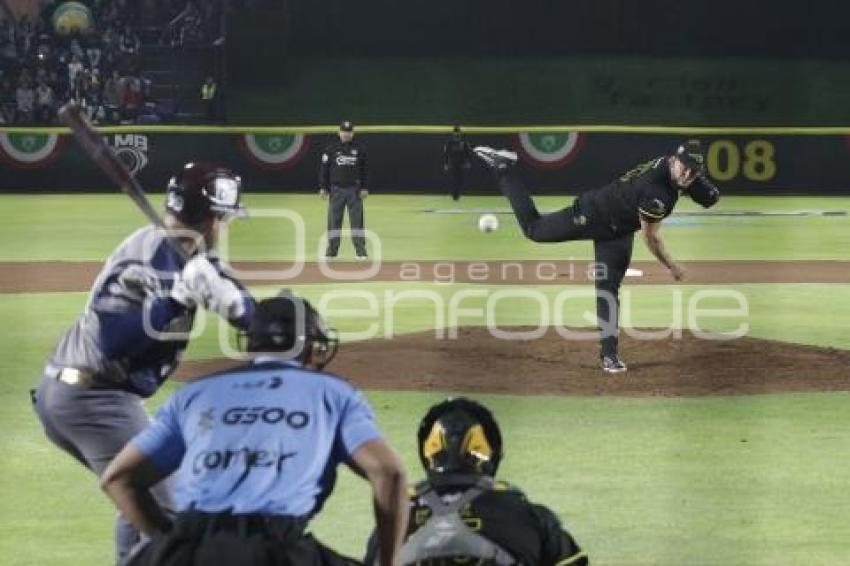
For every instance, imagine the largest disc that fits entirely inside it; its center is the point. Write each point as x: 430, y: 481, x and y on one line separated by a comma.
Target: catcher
x: 474, y: 518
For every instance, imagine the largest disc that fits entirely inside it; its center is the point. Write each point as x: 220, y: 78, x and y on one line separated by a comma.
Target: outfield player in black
x: 342, y: 175
x: 474, y: 518
x: 457, y: 160
x: 610, y: 215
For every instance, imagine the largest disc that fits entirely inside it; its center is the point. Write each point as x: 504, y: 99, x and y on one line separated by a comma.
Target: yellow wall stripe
x: 389, y: 129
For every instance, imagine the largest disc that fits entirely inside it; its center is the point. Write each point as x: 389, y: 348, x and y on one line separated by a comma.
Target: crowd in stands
x: 101, y: 70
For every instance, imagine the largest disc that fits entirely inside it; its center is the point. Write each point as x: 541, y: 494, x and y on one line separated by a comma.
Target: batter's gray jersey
x: 119, y: 341
x: 132, y: 333
x: 131, y: 292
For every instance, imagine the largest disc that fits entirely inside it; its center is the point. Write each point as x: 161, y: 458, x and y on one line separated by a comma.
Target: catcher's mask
x: 290, y: 327
x: 459, y: 436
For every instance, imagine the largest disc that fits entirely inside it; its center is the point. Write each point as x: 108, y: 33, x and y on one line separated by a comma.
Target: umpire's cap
x: 459, y: 436
x: 691, y: 154
x: 346, y: 126
x: 291, y: 327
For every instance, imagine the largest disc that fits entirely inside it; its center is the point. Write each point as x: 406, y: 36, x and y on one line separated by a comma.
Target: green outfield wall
x: 761, y: 161
x: 515, y: 91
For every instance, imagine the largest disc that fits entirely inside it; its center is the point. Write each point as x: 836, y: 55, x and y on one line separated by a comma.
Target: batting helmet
x: 201, y: 191
x: 460, y: 436
x: 290, y: 326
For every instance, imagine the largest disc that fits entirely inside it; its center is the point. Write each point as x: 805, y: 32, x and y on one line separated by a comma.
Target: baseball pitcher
x: 609, y: 216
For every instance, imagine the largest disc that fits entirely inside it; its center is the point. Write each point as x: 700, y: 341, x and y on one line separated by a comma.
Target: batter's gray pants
x: 340, y: 198
x: 93, y: 425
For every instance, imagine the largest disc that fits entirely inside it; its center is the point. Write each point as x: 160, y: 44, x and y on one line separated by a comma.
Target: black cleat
x: 498, y: 159
x: 612, y: 364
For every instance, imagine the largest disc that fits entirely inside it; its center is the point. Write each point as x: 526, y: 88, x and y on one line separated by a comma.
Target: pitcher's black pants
x: 612, y: 252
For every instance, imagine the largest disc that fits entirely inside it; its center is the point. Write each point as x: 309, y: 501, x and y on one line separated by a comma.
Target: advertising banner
x: 551, y: 161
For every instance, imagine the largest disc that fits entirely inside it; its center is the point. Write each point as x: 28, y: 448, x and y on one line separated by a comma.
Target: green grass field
x: 750, y: 480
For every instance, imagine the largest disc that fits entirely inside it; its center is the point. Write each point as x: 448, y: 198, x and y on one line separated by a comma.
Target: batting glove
x: 201, y: 284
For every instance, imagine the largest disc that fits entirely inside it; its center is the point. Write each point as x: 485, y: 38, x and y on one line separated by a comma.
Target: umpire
x: 457, y: 160
x: 254, y: 451
x: 473, y: 518
x: 342, y: 175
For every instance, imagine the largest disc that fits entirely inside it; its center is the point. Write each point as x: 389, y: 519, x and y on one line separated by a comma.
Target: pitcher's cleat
x: 498, y: 159
x: 612, y: 364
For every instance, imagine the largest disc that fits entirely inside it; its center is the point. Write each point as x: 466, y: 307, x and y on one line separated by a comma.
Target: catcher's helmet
x: 290, y: 326
x: 460, y: 436
x: 201, y: 191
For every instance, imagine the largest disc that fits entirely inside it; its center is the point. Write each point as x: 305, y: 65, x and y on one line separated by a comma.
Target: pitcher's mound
x: 476, y: 361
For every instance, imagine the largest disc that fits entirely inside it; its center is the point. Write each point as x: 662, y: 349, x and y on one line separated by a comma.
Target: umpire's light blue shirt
x: 263, y: 439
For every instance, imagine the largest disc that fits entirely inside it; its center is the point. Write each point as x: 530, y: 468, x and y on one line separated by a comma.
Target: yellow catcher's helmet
x: 460, y: 436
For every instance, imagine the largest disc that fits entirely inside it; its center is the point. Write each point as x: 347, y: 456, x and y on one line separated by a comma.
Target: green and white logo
x: 550, y: 150
x: 274, y: 151
x: 28, y: 150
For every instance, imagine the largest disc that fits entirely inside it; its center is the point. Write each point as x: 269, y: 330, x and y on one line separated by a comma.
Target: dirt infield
x: 476, y: 362
x: 55, y: 276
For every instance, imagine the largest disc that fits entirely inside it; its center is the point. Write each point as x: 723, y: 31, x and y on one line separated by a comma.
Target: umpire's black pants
x: 457, y: 175
x: 340, y: 199
x: 221, y: 539
x: 612, y: 252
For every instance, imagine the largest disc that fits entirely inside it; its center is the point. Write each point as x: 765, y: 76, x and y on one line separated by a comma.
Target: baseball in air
x: 488, y: 223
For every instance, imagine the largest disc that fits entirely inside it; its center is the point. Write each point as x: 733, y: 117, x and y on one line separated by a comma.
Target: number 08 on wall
x: 755, y: 160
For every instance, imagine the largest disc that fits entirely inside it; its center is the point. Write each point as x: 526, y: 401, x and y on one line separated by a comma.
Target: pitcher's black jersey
x: 645, y: 192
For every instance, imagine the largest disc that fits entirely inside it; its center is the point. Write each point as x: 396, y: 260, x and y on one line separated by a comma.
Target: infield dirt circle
x: 478, y: 362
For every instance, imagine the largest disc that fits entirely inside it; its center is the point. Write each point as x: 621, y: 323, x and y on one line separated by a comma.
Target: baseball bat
x: 108, y: 162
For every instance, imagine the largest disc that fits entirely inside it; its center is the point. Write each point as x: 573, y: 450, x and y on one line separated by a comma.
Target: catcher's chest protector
x: 445, y: 534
